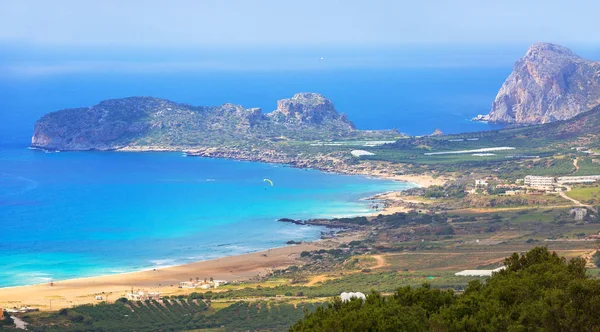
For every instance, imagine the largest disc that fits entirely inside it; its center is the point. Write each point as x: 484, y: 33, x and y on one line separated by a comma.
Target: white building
x: 352, y: 295
x: 217, y: 283
x: 579, y: 213
x: 538, y: 181
x: 481, y: 183
x: 142, y: 295
x: 360, y: 153
x: 578, y: 179
x: 478, y: 273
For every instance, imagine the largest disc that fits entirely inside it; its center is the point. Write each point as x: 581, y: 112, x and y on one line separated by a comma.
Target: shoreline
x: 375, y: 169
x: 149, y: 269
x: 83, y: 290
x: 331, y: 163
x: 76, y: 291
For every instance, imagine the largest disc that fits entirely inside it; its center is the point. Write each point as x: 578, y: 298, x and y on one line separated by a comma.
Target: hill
x: 549, y: 83
x: 152, y: 122
x: 538, y: 291
x: 524, y: 142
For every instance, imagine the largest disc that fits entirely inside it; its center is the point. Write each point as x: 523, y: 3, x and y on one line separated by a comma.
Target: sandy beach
x: 68, y: 293
x: 72, y: 292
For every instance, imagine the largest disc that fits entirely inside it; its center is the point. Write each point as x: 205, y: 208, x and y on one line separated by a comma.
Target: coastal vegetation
x: 538, y: 290
x: 172, y: 315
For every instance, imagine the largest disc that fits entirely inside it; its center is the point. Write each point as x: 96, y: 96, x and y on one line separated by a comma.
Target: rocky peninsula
x: 144, y: 122
x: 305, y: 131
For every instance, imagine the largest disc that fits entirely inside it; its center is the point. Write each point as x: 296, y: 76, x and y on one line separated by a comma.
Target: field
x: 586, y: 195
x: 172, y: 315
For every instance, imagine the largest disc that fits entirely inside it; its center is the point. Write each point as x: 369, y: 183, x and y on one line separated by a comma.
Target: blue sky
x: 188, y: 23
x: 40, y: 37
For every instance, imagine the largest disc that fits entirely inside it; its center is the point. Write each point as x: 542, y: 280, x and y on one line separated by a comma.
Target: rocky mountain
x: 549, y: 83
x: 147, y: 121
x: 308, y: 109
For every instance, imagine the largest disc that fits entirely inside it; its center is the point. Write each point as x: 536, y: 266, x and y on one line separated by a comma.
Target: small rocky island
x: 549, y: 83
x: 158, y: 124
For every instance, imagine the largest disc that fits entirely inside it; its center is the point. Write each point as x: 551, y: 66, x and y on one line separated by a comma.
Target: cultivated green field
x: 587, y: 195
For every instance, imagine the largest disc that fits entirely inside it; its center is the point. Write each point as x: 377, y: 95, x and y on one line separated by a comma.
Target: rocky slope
x: 308, y: 109
x: 151, y: 122
x: 549, y: 83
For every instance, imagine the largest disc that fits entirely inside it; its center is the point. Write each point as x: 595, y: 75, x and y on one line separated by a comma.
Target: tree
x: 538, y: 290
x: 6, y: 320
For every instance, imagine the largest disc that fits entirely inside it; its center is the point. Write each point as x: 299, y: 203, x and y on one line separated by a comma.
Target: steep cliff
x: 549, y: 83
x: 147, y: 121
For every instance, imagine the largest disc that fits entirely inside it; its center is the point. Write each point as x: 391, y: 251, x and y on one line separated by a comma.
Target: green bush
x: 538, y: 291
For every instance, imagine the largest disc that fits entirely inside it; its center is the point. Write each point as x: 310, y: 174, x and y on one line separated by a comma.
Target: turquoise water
x: 67, y: 215
x: 76, y: 214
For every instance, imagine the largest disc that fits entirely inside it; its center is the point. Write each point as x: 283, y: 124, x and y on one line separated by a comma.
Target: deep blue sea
x: 75, y: 214
x: 413, y: 100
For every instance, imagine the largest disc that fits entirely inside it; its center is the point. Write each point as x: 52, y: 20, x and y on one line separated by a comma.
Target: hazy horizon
x: 25, y: 62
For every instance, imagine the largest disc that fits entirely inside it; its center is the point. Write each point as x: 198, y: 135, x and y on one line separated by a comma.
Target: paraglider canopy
x: 267, y: 180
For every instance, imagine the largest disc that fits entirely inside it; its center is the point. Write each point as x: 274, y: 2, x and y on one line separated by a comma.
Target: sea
x: 77, y: 214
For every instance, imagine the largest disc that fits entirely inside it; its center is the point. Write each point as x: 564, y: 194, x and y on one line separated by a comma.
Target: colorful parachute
x: 267, y: 180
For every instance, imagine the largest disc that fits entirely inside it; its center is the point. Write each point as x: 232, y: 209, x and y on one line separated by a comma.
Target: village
x: 538, y: 185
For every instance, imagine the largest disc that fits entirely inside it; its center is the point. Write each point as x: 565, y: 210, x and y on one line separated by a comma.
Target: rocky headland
x: 549, y: 83
x: 146, y: 121
x: 284, y: 136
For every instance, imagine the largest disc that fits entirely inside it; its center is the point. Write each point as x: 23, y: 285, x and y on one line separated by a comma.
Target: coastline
x: 328, y: 163
x: 243, y: 267
x: 237, y: 268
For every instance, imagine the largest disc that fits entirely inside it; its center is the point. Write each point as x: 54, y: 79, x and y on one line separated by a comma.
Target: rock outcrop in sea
x: 549, y: 83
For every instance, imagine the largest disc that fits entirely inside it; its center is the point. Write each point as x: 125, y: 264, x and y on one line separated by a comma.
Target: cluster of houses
x: 203, y: 284
x: 586, y: 150
x: 533, y: 184
x: 16, y: 310
x: 143, y: 295
x: 509, y: 189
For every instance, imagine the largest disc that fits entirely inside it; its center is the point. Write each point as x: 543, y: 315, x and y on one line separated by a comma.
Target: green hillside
x: 538, y: 291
